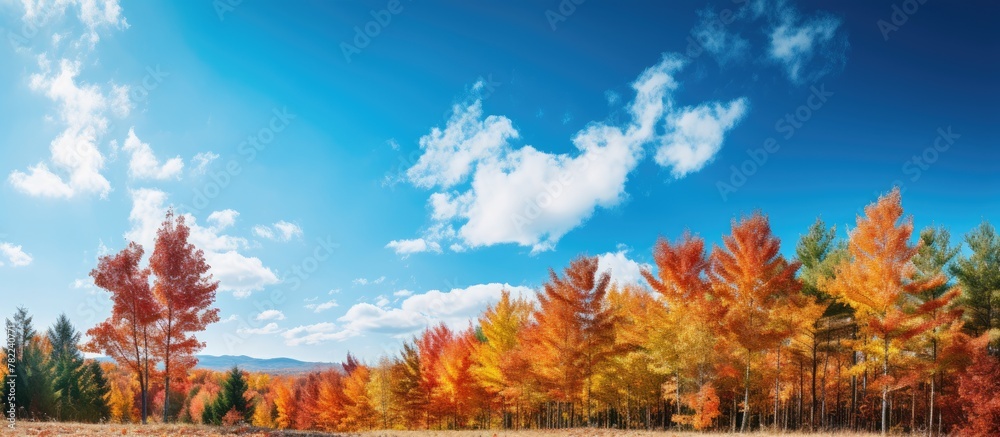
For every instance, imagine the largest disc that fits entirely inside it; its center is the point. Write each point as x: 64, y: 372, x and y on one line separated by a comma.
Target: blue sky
x: 356, y: 171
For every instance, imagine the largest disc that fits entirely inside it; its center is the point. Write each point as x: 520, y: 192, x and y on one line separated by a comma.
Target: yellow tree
x: 879, y: 280
x: 754, y: 282
x: 495, y: 362
x: 684, y: 345
x: 359, y: 413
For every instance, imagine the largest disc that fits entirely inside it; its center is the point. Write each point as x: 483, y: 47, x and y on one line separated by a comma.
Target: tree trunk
x: 746, y: 396
x: 885, y: 387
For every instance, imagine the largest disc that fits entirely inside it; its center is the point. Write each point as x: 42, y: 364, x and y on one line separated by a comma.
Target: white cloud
x: 220, y: 220
x: 403, y: 293
x: 456, y: 308
x: 202, y: 161
x: 270, y: 328
x: 532, y: 198
x: 144, y: 164
x: 74, y: 153
x: 313, y: 334
x: 696, y: 135
x: 450, y: 154
x: 14, y: 255
x: 318, y: 308
x: 75, y: 162
x: 263, y: 232
x: 270, y: 315
x: 280, y: 231
x: 93, y: 15
x: 236, y: 272
x: 622, y: 269
x: 417, y: 245
x: 231, y: 318
x: 807, y: 48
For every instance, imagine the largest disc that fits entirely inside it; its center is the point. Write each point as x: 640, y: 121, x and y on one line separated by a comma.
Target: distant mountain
x: 266, y: 365
x: 277, y: 366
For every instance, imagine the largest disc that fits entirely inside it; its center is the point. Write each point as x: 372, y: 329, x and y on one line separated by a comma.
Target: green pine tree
x: 232, y: 397
x: 980, y: 280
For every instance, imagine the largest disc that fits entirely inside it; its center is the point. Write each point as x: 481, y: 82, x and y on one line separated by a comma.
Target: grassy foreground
x: 55, y: 429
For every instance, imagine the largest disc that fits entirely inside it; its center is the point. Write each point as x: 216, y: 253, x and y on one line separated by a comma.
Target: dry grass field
x: 75, y: 429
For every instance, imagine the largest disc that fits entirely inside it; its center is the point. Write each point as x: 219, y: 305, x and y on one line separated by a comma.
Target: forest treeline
x: 887, y: 330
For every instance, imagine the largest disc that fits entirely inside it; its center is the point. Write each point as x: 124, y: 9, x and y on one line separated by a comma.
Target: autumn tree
x: 497, y: 365
x: 407, y: 386
x: 380, y: 392
x: 359, y: 413
x: 753, y: 281
x: 978, y: 386
x: 683, y: 345
x: 284, y: 404
x: 879, y: 280
x: 572, y: 334
x: 127, y: 335
x: 185, y: 291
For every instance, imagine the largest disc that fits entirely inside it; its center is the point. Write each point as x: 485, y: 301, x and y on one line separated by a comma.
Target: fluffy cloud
x: 455, y: 308
x: 417, y: 245
x: 270, y: 315
x: 236, y: 272
x: 495, y: 193
x: 144, y: 164
x: 313, y: 334
x: 223, y: 219
x: 280, y: 231
x: 75, y: 162
x: 697, y: 134
x: 14, y: 255
x: 93, y: 15
x: 74, y: 153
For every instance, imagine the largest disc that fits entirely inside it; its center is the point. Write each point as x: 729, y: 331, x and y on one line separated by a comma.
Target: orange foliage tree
x: 128, y: 335
x: 878, y: 281
x: 186, y: 292
x: 572, y: 335
x: 754, y: 282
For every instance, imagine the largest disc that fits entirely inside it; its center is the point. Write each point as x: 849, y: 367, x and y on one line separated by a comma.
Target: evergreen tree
x: 980, y: 279
x: 232, y: 398
x: 33, y: 371
x: 69, y: 371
